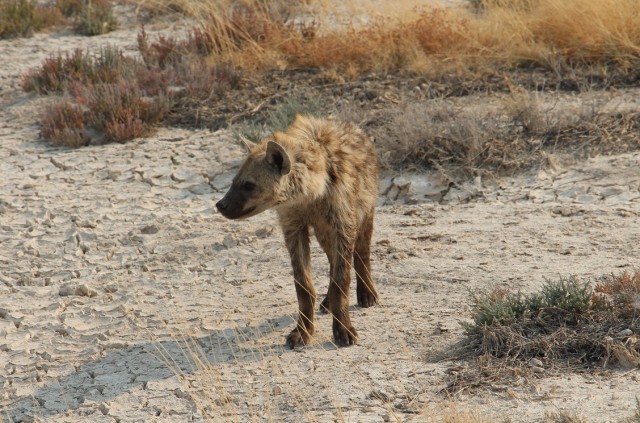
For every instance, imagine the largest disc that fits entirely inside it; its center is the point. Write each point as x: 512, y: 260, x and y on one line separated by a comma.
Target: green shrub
x: 16, y: 18
x: 504, y: 308
x: 566, y: 319
x: 96, y: 17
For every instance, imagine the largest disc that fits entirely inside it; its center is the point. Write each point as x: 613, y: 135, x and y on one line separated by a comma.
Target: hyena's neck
x: 306, y: 182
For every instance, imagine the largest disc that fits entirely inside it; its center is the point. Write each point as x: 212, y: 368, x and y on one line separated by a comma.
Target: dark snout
x: 232, y: 205
x: 222, y: 205
x: 226, y: 208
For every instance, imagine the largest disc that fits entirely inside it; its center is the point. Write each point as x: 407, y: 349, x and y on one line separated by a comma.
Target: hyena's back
x: 347, y: 155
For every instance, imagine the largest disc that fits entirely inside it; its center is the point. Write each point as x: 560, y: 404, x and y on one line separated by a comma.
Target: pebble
x: 534, y: 362
x: 625, y: 333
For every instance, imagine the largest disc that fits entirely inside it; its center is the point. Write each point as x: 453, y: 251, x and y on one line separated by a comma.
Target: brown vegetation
x: 21, y: 18
x: 567, y: 325
x: 244, y: 61
x: 549, y: 33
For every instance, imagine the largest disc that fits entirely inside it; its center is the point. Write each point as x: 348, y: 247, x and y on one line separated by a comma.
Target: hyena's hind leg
x: 325, y: 242
x: 365, y: 288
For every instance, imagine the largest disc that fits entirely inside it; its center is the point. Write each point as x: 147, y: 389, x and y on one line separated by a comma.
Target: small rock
x: 229, y: 241
x: 587, y: 199
x: 103, y: 408
x: 534, y: 362
x: 66, y: 291
x: 149, y: 230
x: 456, y: 195
x: 625, y: 333
x: 393, y: 192
x: 612, y: 190
x: 264, y: 232
x: 384, y: 185
x: 79, y: 290
x: 200, y: 189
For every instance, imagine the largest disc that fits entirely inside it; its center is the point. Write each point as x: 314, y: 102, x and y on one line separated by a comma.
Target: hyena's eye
x: 248, y: 186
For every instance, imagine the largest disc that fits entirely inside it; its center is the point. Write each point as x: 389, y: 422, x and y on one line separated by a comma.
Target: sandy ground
x: 124, y: 296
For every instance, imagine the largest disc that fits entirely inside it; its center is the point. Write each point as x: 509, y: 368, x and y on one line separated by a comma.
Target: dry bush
x: 64, y: 124
x: 59, y: 70
x: 564, y: 416
x: 440, y: 135
x: 622, y: 290
x: 168, y: 51
x: 114, y: 112
x: 505, y: 33
x: 183, y: 63
x: 121, y: 111
x: 124, y: 96
x: 515, y: 338
x: 566, y: 321
x: 523, y: 108
x: 69, y: 8
x: 21, y: 18
x: 96, y: 17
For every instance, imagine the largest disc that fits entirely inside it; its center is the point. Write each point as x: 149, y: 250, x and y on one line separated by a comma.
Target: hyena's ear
x: 247, y: 143
x: 278, y: 157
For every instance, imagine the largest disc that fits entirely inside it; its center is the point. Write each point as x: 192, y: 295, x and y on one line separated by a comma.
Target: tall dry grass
x: 356, y: 37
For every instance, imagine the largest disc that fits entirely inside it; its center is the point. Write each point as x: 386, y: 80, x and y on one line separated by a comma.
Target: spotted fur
x: 323, y: 175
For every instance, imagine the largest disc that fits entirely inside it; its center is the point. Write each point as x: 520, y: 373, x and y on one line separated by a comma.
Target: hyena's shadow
x: 122, y: 370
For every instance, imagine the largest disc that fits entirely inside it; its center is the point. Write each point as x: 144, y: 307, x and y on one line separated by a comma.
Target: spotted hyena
x: 323, y: 175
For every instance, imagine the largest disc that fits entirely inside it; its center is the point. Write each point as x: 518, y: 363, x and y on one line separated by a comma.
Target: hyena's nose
x: 222, y: 205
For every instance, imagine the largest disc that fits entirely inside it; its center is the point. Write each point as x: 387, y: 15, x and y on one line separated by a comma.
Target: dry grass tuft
x: 501, y: 34
x: 516, y: 338
x: 496, y: 135
x: 64, y: 124
x: 95, y: 17
x: 59, y: 70
x: 21, y: 18
x: 566, y: 321
x: 121, y: 111
x: 564, y: 417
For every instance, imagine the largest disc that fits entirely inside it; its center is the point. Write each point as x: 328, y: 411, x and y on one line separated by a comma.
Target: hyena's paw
x: 324, y: 305
x: 344, y: 335
x: 366, y: 298
x: 298, y: 338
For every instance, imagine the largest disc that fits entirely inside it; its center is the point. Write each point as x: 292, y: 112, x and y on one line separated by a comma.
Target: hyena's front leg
x: 343, y: 332
x: 297, y: 240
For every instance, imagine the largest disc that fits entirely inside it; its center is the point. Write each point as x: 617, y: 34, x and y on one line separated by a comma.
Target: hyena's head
x: 259, y: 183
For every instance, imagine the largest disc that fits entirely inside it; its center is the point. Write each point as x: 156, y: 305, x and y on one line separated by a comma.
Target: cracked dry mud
x: 116, y: 273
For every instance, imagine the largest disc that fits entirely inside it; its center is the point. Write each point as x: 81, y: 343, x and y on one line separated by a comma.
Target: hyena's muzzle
x: 234, y: 205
